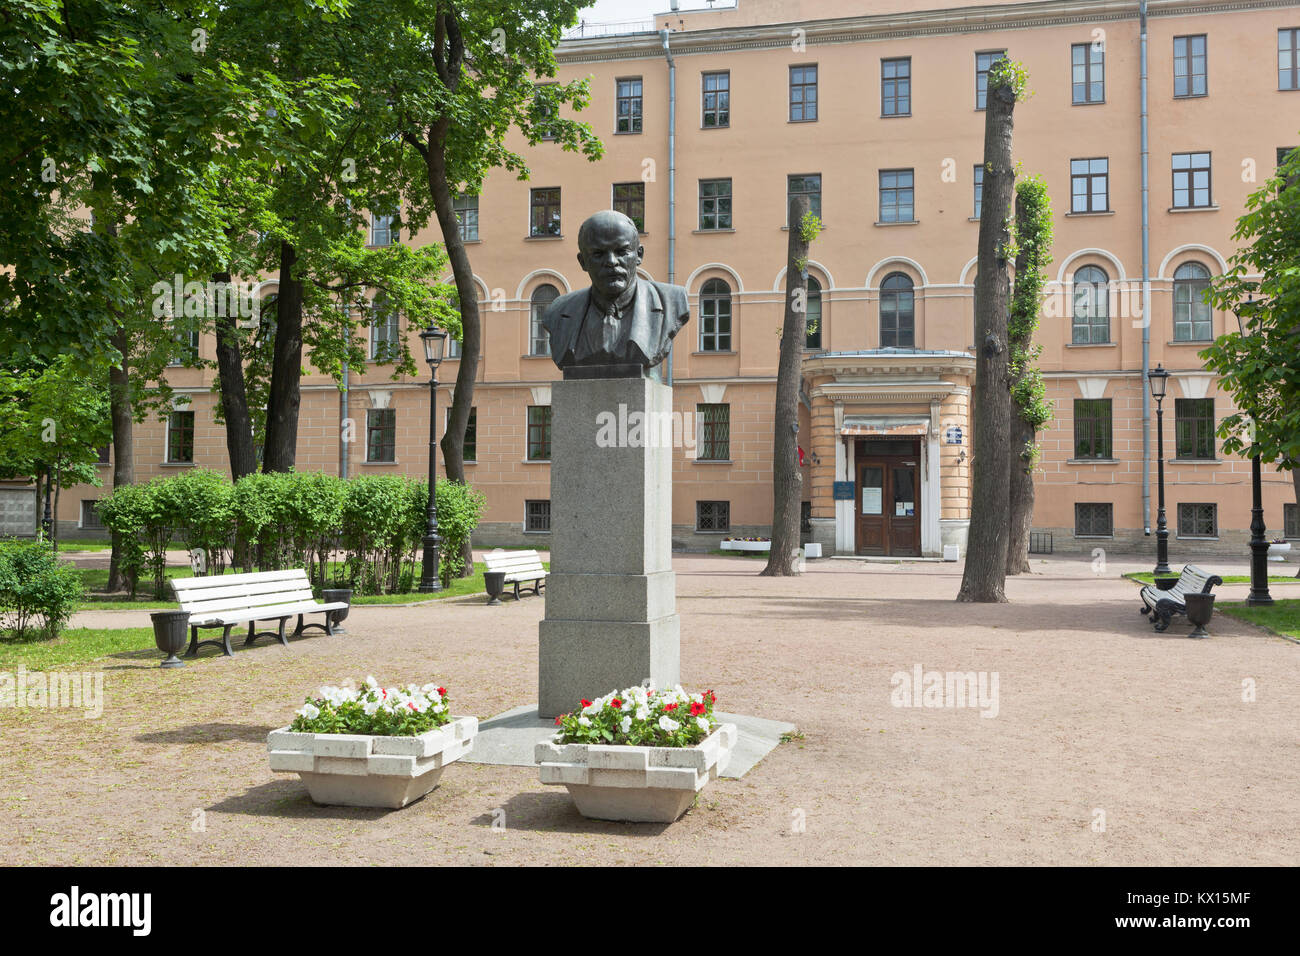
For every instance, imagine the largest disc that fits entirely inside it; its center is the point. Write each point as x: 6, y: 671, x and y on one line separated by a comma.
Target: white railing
x: 586, y: 29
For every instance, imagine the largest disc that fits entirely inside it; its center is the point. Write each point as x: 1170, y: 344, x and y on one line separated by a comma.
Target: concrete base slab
x: 509, y: 739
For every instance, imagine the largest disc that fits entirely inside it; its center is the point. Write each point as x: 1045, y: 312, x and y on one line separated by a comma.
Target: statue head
x: 609, y: 250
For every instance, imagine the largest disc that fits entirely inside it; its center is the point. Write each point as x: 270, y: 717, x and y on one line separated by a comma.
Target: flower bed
x: 373, y: 746
x: 637, y: 755
x: 746, y: 544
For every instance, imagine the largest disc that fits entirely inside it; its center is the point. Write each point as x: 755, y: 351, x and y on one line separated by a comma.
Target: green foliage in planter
x: 371, y: 709
x: 37, y: 593
x: 639, y: 717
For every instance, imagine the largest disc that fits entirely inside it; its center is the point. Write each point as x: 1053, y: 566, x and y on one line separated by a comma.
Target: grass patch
x: 1146, y: 577
x: 742, y: 554
x: 1280, y: 617
x: 77, y: 645
x: 86, y: 544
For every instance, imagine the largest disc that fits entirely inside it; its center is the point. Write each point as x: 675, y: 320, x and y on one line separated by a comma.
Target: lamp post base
x: 429, y: 582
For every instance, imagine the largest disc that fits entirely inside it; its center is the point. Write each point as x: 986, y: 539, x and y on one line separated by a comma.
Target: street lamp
x: 435, y: 340
x: 1258, y: 542
x: 1158, y: 379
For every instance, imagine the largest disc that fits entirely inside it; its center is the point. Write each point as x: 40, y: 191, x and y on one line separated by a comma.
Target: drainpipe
x: 1146, y: 281
x: 343, y: 424
x: 672, y: 172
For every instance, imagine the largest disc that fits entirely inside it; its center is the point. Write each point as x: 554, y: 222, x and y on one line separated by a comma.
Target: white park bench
x: 520, y: 567
x: 1162, y: 605
x: 225, y: 600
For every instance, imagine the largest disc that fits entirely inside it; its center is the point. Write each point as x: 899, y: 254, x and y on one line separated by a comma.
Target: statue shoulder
x: 674, y: 296
x: 567, y: 303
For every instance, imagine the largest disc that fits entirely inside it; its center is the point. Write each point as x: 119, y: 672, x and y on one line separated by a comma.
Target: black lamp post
x: 1158, y: 379
x: 434, y: 339
x: 1258, y: 542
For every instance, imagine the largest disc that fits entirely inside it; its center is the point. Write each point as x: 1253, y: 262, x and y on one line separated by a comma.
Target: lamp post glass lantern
x: 1258, y: 540
x: 1158, y: 380
x: 435, y: 340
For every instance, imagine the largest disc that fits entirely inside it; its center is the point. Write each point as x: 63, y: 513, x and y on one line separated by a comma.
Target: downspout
x: 672, y: 174
x: 343, y: 424
x: 1146, y: 281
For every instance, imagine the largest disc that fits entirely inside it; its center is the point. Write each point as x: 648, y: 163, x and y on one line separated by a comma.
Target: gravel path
x: 1098, y: 719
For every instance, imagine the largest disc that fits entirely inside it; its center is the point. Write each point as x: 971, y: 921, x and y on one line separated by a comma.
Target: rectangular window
x: 1194, y: 428
x: 1094, y: 519
x: 1092, y: 431
x: 715, y: 204
x: 385, y: 335
x: 1198, y: 520
x: 896, y: 87
x: 1189, y: 65
x: 537, y: 516
x: 466, y: 208
x: 544, y: 219
x: 803, y: 93
x: 713, y: 427
x: 1291, y: 520
x: 543, y: 112
x: 471, y: 434
x: 539, y: 432
x: 629, y: 199
x: 180, y: 438
x: 716, y: 93
x: 382, y: 231
x: 90, y: 516
x: 103, y: 454
x: 1088, y: 72
x: 1089, y: 185
x: 810, y: 186
x: 381, y: 434
x: 1191, y: 180
x: 187, y: 345
x: 983, y: 63
x: 896, y: 195
x: 1288, y: 59
x: 712, y: 516
x: 627, y: 117
x: 979, y: 189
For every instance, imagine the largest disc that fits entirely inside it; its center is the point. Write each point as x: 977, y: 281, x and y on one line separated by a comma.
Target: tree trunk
x: 119, y: 402
x: 58, y: 490
x: 1020, y: 485
x: 984, y: 578
x: 453, y: 439
x: 1295, y: 481
x: 234, y: 398
x: 286, y: 369
x: 787, y: 480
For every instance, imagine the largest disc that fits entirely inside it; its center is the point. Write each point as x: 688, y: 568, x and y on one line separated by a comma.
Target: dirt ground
x: 1111, y: 744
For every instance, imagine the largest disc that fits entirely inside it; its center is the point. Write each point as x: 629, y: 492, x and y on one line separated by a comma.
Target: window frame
x: 1191, y: 188
x: 379, y: 421
x: 710, y: 295
x: 391, y: 340
x: 1192, y: 303
x: 896, y: 296
x: 1213, y: 534
x: 1093, y: 325
x: 713, y: 431
x: 1089, y: 49
x: 977, y: 177
x: 1201, y: 427
x: 803, y: 86
x: 1108, y: 509
x: 460, y: 204
x: 544, y: 203
x: 721, y: 105
x: 982, y: 95
x: 1089, y: 178
x: 1291, y: 521
x: 539, y: 340
x: 808, y: 315
x: 1098, y: 435
x: 715, y: 199
x: 469, y: 449
x: 387, y: 231
x: 814, y: 195
x: 185, y: 432
x: 630, y: 203
x: 1294, y: 68
x: 895, y: 96
x: 538, y: 433
x: 1188, y: 60
x: 896, y: 190
x: 532, y: 511
x: 636, y: 104
x: 725, y: 510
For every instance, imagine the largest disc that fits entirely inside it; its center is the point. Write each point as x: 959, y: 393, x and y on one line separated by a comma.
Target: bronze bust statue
x: 622, y: 326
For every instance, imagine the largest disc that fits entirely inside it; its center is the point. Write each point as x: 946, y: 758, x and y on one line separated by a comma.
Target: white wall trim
x: 1121, y: 275
x: 828, y: 285
x: 889, y: 260
x: 690, y: 282
x: 1191, y: 247
x: 537, y: 274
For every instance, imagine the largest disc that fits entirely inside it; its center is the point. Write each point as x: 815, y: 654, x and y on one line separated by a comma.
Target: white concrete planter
x: 362, y: 770
x: 730, y: 545
x: 1278, y: 552
x: 636, y: 784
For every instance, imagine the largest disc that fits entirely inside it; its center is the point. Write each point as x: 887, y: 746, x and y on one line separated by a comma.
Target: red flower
x: 410, y: 705
x: 616, y: 703
x: 585, y: 702
x: 442, y: 692
x: 670, y: 706
x: 557, y: 721
x: 711, y: 696
x: 697, y: 709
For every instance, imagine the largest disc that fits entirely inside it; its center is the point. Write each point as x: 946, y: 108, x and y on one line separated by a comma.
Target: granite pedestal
x: 611, y: 608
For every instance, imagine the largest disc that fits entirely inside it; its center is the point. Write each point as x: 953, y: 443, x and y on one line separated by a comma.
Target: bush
x: 201, y: 500
x: 37, y: 593
x: 376, y: 520
x: 124, y: 513
x: 460, y: 507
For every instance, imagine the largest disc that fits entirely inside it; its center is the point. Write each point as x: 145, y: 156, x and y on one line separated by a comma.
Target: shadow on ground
x: 208, y: 734
x: 554, y: 812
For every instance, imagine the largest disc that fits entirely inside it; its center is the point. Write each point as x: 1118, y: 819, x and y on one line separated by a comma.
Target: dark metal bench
x: 1163, y: 605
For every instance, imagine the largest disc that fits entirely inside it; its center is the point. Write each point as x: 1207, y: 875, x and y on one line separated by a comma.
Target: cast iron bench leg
x: 194, y: 643
x: 298, y: 630
x: 225, y: 640
x: 284, y: 640
x: 329, y: 623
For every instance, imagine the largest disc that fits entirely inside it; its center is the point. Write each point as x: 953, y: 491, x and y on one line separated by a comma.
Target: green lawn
x: 83, y: 544
x: 1280, y: 617
x: 77, y: 645
x: 1146, y: 577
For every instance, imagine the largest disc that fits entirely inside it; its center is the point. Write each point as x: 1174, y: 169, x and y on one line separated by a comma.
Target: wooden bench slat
x: 270, y: 613
x: 247, y: 590
x: 235, y: 604
x: 225, y: 580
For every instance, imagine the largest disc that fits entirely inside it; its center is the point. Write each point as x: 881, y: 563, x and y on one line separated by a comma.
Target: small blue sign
x: 843, y: 491
x: 953, y: 435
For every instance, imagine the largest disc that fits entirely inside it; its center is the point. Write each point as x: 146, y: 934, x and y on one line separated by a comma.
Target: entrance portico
x: 890, y: 448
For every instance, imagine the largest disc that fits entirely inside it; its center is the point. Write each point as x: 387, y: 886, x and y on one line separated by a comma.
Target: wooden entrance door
x: 889, y: 506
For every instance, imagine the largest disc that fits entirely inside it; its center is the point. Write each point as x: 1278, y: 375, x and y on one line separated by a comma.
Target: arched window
x: 539, y: 340
x: 897, y: 313
x: 715, y: 316
x: 1091, y: 313
x: 814, y: 315
x: 1191, y: 313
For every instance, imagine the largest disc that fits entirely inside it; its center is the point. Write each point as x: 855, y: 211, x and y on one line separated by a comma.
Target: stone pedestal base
x: 611, y: 615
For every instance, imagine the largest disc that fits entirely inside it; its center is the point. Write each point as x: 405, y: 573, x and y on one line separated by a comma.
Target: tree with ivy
x: 1260, y: 369
x: 984, y: 575
x: 787, y: 479
x: 1030, y: 410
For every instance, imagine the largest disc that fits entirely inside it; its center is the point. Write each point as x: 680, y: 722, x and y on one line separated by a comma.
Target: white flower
x: 593, y: 707
x: 584, y: 722
x: 625, y: 724
x: 371, y: 682
x: 370, y: 707
x: 702, y: 723
x: 310, y: 711
x: 697, y: 698
x: 643, y: 712
x: 668, y: 724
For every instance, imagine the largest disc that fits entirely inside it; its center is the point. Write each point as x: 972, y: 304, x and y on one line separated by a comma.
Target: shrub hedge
x: 37, y: 593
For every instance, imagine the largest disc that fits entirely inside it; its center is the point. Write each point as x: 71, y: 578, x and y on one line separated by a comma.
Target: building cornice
x: 922, y: 392
x: 938, y: 22
x: 877, y: 364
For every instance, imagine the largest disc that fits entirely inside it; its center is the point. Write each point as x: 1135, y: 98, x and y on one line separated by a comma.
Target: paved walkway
x: 1111, y: 744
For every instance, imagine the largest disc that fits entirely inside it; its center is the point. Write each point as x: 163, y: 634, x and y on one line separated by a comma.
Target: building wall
x: 1241, y: 122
